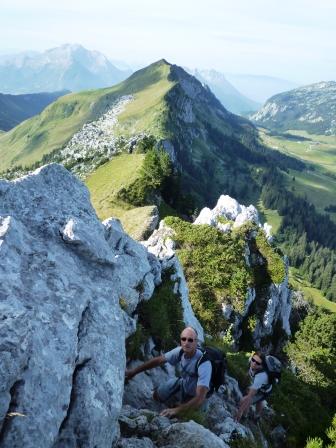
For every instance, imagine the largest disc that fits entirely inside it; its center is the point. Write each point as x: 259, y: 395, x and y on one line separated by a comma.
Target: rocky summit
x: 310, y: 108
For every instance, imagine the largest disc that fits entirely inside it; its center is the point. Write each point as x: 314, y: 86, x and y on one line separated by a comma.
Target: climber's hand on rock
x: 129, y: 374
x: 169, y: 412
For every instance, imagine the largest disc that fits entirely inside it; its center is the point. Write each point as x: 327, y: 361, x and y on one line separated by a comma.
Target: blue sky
x: 295, y: 40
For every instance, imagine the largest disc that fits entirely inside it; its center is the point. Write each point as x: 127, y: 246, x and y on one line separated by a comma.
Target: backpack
x: 273, y: 369
x: 218, y: 364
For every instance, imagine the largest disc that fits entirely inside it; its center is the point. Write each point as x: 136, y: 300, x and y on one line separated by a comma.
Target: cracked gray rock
x: 62, y: 331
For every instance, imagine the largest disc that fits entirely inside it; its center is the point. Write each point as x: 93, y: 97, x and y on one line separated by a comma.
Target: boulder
x: 189, y: 434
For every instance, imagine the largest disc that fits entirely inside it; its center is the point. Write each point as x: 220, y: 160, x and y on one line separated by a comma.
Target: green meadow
x: 272, y: 217
x: 318, y: 181
x: 104, y: 185
x: 310, y: 293
x: 319, y: 150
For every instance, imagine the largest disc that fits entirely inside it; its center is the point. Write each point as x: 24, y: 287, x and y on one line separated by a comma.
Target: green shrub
x: 215, y: 268
x: 299, y: 409
x: 196, y: 415
x: 274, y: 262
x: 331, y: 435
x: 313, y: 352
x: 314, y: 443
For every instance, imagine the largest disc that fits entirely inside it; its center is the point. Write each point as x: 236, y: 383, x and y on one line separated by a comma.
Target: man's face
x: 256, y: 363
x: 188, y: 341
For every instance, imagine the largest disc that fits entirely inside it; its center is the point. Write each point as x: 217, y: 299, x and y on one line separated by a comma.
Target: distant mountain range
x: 16, y: 108
x: 74, y: 68
x: 310, y: 108
x: 227, y: 94
x: 259, y: 88
x: 68, y: 67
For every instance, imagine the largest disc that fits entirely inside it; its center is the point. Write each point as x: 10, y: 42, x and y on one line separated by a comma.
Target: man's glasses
x: 256, y: 362
x: 183, y: 339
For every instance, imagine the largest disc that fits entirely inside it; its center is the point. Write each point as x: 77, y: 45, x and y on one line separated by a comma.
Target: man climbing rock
x: 190, y: 389
x: 259, y: 388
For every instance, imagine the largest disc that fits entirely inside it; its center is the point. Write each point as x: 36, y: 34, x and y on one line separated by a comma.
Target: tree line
x: 308, y: 237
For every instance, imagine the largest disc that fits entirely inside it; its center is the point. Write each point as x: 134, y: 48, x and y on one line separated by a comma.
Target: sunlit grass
x: 147, y: 110
x: 54, y: 127
x: 319, y: 150
x: 272, y: 217
x: 105, y: 183
x: 310, y: 293
x: 316, y: 182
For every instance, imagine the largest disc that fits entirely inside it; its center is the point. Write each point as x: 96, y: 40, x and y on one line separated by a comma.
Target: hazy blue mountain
x: 259, y: 88
x: 16, y: 108
x: 310, y: 108
x: 68, y: 67
x: 228, y: 95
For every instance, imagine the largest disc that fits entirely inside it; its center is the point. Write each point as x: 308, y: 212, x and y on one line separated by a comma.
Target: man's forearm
x: 154, y: 362
x: 244, y: 405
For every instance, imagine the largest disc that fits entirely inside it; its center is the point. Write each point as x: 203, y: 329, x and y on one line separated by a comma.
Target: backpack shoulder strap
x: 180, y: 355
x: 203, y: 358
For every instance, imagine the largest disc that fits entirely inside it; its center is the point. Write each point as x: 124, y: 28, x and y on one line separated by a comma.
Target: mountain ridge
x: 311, y: 108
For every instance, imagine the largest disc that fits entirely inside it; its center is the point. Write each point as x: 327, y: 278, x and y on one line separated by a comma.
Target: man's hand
x: 129, y: 374
x: 244, y: 404
x: 169, y: 412
x: 238, y: 416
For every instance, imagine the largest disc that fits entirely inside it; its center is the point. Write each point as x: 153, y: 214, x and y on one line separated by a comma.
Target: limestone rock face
x: 229, y: 209
x: 161, y: 244
x: 62, y: 331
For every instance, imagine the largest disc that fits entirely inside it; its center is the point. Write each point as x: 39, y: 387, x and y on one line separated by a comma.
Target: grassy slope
x: 53, y: 128
x: 28, y: 142
x: 104, y: 185
x: 272, y: 217
x: 109, y: 178
x: 310, y: 293
x: 317, y: 184
x: 50, y: 130
x: 318, y: 150
x: 147, y: 111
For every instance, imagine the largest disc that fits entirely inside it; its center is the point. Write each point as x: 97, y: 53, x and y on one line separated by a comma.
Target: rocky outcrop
x: 140, y: 420
x: 162, y: 245
x: 62, y: 331
x: 95, y: 142
x: 229, y: 214
x: 274, y: 301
